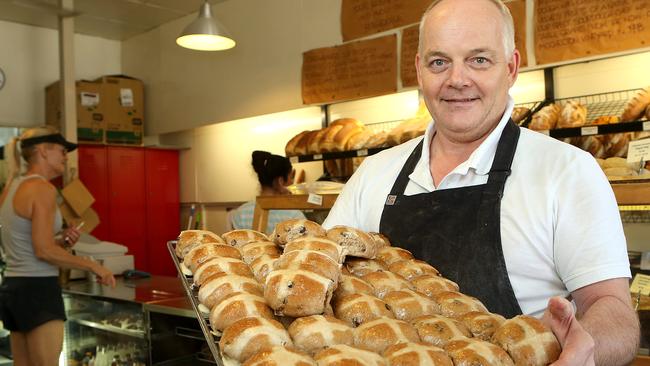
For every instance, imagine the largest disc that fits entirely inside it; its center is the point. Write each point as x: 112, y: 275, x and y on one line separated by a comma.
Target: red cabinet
x: 137, y: 199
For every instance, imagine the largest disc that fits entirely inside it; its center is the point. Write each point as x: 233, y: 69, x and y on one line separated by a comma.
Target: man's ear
x: 513, y: 66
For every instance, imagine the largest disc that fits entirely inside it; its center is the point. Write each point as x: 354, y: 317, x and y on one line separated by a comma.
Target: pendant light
x: 205, y: 33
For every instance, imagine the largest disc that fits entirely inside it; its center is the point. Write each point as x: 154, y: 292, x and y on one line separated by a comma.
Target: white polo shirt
x: 560, y: 225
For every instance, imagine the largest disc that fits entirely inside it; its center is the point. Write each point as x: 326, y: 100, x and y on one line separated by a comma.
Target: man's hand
x: 70, y: 237
x: 577, y: 344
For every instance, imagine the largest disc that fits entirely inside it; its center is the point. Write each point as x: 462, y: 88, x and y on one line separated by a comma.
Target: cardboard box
x: 90, y: 109
x: 77, y: 196
x: 123, y: 98
x: 89, y: 218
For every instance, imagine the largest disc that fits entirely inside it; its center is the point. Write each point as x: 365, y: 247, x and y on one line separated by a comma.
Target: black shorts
x: 27, y: 302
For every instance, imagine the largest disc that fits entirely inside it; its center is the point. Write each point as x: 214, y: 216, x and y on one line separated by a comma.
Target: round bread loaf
x: 310, y: 260
x: 470, y: 351
x: 296, y: 293
x: 349, y: 284
x: 390, y: 255
x: 263, y: 265
x: 204, y: 252
x: 528, y: 341
x: 546, y: 118
x: 356, y: 309
x: 218, y: 265
x: 237, y: 306
x: 188, y: 239
x: 254, y: 249
x: 636, y: 106
x: 290, y: 147
x: 605, y: 120
x: 431, y: 285
x: 246, y: 337
x: 353, y: 241
x: 380, y: 239
x: 312, y: 334
x: 218, y: 286
x: 344, y: 355
x: 454, y: 304
x: 323, y: 245
x: 412, y: 354
x: 378, y: 334
x: 407, y: 304
x: 573, y: 114
x: 386, y: 281
x: 412, y: 268
x: 438, y: 330
x: 361, y: 266
x: 482, y: 325
x: 293, y: 229
x: 519, y: 113
x: 239, y: 238
x: 280, y: 356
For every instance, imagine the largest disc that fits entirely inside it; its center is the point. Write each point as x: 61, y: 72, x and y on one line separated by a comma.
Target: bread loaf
x: 528, y: 341
x: 343, y: 355
x: 647, y: 113
x: 314, y: 141
x: 412, y: 268
x: 353, y: 241
x: 255, y: 249
x: 361, y: 266
x: 519, y: 113
x: 323, y: 245
x: 293, y: 229
x: 438, y: 330
x: 546, y: 118
x: 356, y: 309
x: 220, y: 285
x: 303, y: 143
x: 389, y: 255
x: 358, y: 140
x: 455, y: 304
x: 350, y: 128
x: 595, y: 145
x: 327, y: 144
x: 262, y: 266
x: 310, y: 260
x: 616, y: 144
x: 238, y: 305
x: 296, y: 293
x: 188, y: 239
x: 432, y: 285
x: 314, y: 333
x: 636, y: 106
x: 482, y: 325
x: 280, y: 356
x: 378, y: 139
x: 573, y: 114
x: 239, y: 238
x: 605, y: 120
x: 380, y: 239
x: 246, y: 337
x: 378, y: 334
x: 221, y: 265
x: 470, y: 351
x: 385, y: 281
x: 290, y: 148
x: 204, y: 252
x: 408, y: 305
x: 352, y: 285
x: 413, y: 354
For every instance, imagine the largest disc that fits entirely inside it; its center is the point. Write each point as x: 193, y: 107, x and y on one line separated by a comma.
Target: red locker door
x: 163, y: 207
x: 93, y: 173
x: 127, y: 223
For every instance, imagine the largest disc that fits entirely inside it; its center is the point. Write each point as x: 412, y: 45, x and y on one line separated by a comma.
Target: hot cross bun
x: 528, y: 341
x: 376, y: 335
x: 314, y: 333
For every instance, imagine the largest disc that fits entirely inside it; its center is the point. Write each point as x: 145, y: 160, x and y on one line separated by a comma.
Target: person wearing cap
x: 31, y: 305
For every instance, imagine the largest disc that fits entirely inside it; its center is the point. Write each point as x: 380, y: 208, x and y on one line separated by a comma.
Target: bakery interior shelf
x: 336, y: 155
x: 632, y: 192
x: 84, y: 319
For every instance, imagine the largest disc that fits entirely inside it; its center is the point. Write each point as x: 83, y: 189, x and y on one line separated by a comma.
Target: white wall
x: 30, y: 60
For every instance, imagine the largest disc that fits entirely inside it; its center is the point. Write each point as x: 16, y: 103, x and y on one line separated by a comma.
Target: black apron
x: 458, y: 230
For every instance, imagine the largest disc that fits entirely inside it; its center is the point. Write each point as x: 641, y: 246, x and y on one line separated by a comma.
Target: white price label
x: 640, y: 284
x: 126, y: 97
x: 646, y: 126
x: 315, y: 199
x: 318, y: 156
x: 638, y: 150
x: 89, y: 99
x: 293, y: 159
x: 587, y: 131
x: 363, y: 152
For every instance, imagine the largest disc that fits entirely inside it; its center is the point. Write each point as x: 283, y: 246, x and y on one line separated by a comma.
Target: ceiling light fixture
x: 205, y: 33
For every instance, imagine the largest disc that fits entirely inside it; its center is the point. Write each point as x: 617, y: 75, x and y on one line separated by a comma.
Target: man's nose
x: 459, y: 76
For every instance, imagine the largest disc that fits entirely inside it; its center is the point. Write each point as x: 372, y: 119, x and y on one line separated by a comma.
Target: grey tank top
x: 17, y: 238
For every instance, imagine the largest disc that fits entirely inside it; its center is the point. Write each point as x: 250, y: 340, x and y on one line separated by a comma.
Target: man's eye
x: 482, y: 61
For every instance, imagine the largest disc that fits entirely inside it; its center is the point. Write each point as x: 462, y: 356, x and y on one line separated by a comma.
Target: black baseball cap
x: 55, y: 138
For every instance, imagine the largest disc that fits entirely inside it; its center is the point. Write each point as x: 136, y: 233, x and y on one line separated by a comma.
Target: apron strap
x: 502, y: 162
x: 403, y: 178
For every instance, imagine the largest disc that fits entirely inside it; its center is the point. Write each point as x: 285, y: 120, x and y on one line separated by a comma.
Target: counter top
x: 180, y: 306
x: 142, y: 291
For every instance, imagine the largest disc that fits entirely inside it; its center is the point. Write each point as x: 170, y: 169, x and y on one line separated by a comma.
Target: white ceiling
x: 111, y: 19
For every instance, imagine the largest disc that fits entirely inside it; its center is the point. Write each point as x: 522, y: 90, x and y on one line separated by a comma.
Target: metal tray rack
x: 192, y: 294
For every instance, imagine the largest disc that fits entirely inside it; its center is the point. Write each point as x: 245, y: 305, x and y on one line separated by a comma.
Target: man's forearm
x: 614, y: 326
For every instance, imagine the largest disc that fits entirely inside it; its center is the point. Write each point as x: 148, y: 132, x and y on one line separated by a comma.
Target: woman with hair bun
x: 274, y: 172
x: 31, y: 305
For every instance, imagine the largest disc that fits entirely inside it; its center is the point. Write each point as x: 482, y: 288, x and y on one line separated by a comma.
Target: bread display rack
x: 192, y: 294
x: 598, y: 105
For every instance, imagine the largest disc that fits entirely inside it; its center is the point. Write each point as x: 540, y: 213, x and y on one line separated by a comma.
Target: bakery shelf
x: 336, y: 155
x: 632, y: 193
x: 84, y: 319
x: 532, y: 108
